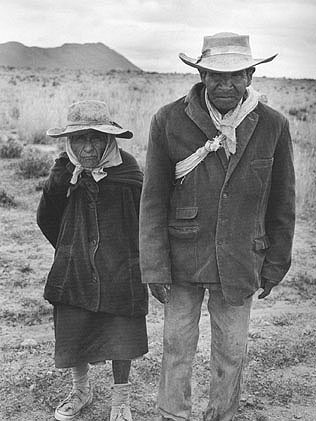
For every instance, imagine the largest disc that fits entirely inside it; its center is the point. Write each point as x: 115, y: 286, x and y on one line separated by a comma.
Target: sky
x: 151, y: 33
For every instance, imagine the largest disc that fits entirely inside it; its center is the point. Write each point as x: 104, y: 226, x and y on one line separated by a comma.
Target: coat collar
x: 197, y: 113
x: 200, y: 116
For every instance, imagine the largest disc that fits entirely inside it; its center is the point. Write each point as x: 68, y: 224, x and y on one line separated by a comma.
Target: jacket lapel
x: 199, y: 116
x: 223, y: 158
x: 196, y: 110
x: 244, y: 132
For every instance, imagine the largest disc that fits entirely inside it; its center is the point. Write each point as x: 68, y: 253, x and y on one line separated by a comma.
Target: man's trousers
x: 229, y: 333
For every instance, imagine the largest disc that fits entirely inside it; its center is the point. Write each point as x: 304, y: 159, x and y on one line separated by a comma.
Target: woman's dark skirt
x: 82, y: 336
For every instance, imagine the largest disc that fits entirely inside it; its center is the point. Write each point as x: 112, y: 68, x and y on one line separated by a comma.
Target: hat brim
x: 224, y: 62
x: 103, y: 128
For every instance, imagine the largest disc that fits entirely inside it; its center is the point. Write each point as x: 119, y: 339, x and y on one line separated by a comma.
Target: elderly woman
x: 89, y: 213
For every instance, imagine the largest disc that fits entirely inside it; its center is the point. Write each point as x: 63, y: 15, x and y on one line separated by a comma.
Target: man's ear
x: 250, y: 72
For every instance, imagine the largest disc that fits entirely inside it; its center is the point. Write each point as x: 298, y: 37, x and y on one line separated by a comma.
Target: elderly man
x: 89, y: 213
x: 217, y: 214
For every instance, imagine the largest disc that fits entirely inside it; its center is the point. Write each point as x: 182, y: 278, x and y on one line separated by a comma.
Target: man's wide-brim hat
x: 225, y: 52
x: 89, y: 115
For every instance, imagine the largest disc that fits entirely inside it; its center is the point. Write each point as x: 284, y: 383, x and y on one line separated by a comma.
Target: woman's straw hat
x: 89, y: 115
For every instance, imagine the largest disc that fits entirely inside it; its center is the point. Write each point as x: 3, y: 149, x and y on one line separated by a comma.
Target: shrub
x: 11, y: 149
x: 40, y: 138
x: 34, y: 163
x: 299, y: 113
x: 6, y: 200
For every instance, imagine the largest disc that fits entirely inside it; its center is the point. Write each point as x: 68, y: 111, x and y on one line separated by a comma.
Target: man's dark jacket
x: 95, y: 234
x: 230, y: 222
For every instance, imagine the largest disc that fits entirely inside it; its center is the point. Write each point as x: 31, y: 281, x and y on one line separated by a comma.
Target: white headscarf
x: 111, y: 158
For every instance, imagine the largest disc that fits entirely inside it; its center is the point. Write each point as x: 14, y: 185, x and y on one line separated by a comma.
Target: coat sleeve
x: 154, y: 241
x: 53, y: 200
x: 280, y: 215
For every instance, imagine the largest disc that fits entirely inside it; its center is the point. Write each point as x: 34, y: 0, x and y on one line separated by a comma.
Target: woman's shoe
x: 122, y: 413
x: 70, y: 408
x: 120, y: 410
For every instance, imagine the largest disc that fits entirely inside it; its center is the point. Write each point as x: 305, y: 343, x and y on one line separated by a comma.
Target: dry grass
x: 31, y: 103
x: 280, y: 378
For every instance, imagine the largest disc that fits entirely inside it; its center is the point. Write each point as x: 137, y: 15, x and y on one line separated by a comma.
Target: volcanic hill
x: 69, y: 56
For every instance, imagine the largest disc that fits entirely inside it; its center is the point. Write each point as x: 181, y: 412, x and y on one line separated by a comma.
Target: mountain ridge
x: 95, y: 56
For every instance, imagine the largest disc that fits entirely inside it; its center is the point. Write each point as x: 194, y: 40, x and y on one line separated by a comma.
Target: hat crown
x: 89, y: 111
x: 226, y: 43
x: 225, y: 52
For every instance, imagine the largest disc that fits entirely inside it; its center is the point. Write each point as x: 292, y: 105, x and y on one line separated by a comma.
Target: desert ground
x: 280, y: 374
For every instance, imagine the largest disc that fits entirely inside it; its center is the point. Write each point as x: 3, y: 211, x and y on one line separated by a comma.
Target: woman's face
x: 88, y: 147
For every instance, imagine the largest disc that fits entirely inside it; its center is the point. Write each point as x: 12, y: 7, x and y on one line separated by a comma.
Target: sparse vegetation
x: 7, y: 200
x: 11, y: 149
x: 305, y: 285
x: 299, y: 113
x: 280, y: 383
x: 134, y: 97
x: 34, y: 163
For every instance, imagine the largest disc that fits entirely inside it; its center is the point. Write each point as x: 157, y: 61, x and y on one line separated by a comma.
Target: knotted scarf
x: 228, y: 123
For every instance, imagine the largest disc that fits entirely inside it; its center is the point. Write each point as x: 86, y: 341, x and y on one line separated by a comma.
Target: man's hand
x: 267, y: 287
x: 160, y: 292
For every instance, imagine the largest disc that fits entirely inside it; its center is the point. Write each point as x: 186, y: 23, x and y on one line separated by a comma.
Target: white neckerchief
x: 228, y: 123
x: 111, y: 158
x: 227, y: 138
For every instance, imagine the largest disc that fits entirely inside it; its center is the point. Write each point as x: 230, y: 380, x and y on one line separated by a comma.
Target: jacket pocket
x: 186, y: 213
x: 183, y: 234
x: 184, y: 226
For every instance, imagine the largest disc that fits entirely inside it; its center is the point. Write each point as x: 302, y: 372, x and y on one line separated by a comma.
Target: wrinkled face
x: 88, y: 147
x: 226, y: 89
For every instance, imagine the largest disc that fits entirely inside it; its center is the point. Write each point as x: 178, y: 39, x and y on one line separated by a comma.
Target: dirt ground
x: 280, y: 376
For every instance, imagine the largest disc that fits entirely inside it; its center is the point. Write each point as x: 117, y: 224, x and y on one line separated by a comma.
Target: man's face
x: 88, y: 147
x: 226, y: 89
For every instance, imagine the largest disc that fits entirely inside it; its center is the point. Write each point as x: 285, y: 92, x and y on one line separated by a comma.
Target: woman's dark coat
x: 95, y: 234
x: 227, y: 222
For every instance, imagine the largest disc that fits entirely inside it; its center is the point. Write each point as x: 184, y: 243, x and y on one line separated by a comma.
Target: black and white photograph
x: 157, y: 210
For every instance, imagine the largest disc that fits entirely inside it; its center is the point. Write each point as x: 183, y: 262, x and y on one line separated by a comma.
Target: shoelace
x: 74, y: 395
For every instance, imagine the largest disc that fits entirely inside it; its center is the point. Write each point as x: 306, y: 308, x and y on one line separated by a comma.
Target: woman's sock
x: 80, y: 378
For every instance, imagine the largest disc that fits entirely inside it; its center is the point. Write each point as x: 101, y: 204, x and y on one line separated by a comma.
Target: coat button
x: 94, y: 242
x: 225, y: 195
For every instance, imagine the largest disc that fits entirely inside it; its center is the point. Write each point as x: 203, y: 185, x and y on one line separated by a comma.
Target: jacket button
x: 225, y: 195
x: 94, y: 279
x: 94, y: 242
